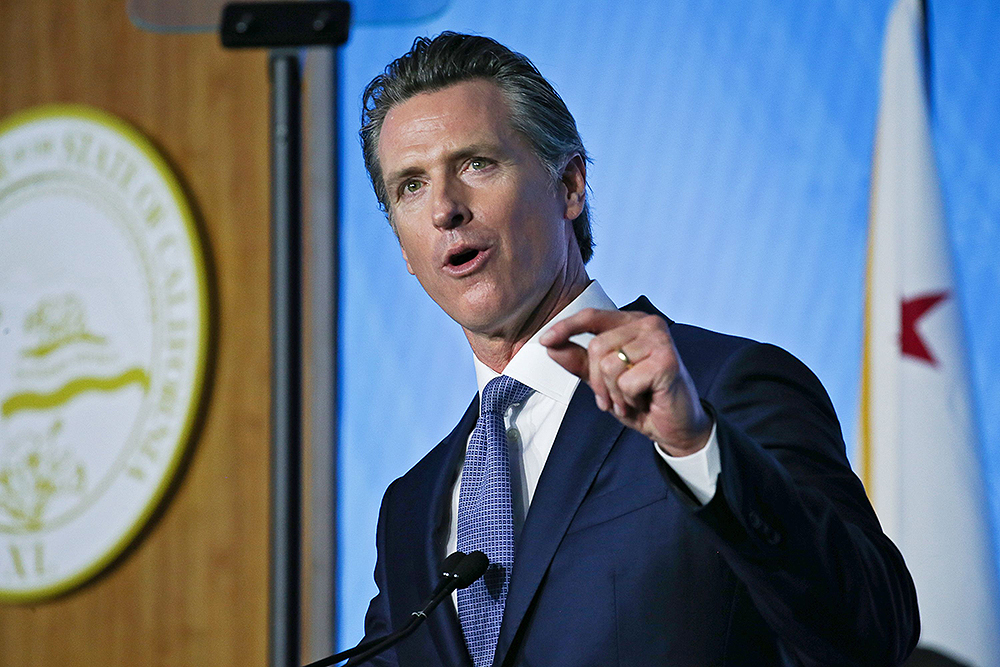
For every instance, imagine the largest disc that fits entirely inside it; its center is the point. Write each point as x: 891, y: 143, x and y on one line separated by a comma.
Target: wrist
x: 692, y: 442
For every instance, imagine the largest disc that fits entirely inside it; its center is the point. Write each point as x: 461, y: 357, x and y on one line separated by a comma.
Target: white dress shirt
x: 532, y: 425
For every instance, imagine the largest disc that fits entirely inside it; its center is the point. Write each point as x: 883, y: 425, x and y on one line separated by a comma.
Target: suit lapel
x: 579, y: 450
x: 444, y: 626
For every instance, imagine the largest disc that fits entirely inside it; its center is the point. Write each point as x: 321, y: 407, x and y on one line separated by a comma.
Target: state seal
x: 103, y: 343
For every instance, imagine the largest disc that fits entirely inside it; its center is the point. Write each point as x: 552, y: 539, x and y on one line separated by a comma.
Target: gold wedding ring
x: 625, y: 360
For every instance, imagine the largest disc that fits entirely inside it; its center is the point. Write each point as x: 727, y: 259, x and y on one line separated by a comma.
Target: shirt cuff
x: 700, y: 471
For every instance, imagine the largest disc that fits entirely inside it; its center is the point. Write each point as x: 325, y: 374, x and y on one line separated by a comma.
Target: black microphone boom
x: 467, y: 571
x: 458, y: 570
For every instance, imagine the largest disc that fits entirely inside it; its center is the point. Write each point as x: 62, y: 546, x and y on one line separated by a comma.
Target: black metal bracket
x: 285, y: 24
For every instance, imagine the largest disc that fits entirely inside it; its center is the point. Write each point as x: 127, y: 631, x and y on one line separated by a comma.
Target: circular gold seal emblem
x: 103, y: 337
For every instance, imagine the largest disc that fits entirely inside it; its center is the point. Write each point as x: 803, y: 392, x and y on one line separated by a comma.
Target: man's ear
x: 407, y: 260
x: 574, y: 179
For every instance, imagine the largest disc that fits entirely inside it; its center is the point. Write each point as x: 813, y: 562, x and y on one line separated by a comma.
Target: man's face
x: 482, y: 224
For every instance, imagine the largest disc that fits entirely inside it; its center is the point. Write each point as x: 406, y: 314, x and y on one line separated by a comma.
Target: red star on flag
x: 911, y: 311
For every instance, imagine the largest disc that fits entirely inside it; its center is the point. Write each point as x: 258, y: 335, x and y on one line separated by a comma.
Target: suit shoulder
x: 721, y: 362
x: 703, y: 351
x: 710, y: 342
x: 706, y: 352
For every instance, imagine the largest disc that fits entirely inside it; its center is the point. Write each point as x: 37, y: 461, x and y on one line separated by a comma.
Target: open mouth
x: 465, y: 260
x: 463, y: 257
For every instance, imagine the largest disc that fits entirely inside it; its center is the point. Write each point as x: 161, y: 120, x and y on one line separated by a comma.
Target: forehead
x: 466, y: 112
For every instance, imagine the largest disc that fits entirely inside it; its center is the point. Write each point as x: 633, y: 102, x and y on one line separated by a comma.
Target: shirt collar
x: 533, y: 366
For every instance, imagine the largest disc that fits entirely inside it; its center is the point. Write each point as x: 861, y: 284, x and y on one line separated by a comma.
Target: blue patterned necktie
x: 485, y: 519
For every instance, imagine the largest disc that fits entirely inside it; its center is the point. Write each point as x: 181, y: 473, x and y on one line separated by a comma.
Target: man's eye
x: 478, y: 163
x: 411, y: 186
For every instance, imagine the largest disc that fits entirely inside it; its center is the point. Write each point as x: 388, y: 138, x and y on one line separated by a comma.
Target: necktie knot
x: 500, y: 393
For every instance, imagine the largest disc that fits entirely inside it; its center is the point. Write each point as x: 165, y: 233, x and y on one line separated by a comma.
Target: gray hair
x: 536, y: 110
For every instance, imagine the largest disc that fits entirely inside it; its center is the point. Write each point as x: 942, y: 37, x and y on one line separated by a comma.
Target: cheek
x: 416, y: 253
x: 542, y: 237
x: 541, y: 213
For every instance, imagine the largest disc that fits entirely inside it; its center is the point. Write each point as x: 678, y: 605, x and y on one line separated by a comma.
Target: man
x: 648, y: 493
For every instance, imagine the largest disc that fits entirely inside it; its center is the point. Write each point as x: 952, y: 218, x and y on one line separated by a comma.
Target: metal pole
x: 286, y: 351
x: 322, y: 288
x: 334, y: 372
x: 284, y: 27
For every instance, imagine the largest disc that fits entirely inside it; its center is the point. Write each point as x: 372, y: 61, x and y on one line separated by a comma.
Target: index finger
x: 588, y: 320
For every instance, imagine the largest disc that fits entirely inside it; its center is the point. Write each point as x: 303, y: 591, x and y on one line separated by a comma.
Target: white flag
x: 919, y: 453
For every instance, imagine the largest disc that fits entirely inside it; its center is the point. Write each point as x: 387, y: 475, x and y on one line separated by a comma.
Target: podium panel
x: 192, y: 588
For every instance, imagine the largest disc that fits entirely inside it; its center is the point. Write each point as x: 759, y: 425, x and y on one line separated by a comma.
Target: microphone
x: 447, y: 568
x: 459, y: 570
x: 470, y: 568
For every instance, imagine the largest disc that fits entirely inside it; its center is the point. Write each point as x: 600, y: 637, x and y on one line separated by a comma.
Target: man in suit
x: 648, y: 493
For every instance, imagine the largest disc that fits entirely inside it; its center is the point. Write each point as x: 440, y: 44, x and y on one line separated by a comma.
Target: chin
x: 483, y: 316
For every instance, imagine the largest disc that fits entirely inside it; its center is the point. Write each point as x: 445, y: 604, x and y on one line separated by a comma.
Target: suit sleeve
x: 377, y: 622
x: 794, y: 523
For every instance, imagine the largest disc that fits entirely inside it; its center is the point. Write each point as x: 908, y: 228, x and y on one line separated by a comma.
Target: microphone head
x: 471, y: 568
x: 448, y: 565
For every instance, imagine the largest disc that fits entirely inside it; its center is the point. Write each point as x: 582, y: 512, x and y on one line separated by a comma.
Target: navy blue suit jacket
x: 618, y: 565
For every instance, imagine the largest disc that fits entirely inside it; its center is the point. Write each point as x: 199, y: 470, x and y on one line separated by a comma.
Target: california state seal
x: 103, y: 343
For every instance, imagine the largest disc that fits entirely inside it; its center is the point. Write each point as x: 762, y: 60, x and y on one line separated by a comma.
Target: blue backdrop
x: 732, y: 147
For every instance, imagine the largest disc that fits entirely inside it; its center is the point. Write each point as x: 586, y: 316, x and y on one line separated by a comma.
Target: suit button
x: 773, y: 537
x: 755, y: 521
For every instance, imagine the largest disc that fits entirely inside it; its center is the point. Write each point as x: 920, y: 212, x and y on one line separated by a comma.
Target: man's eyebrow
x: 402, y: 174
x: 472, y: 150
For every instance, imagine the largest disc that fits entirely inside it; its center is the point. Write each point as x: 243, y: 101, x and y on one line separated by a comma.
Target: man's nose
x: 450, y: 208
